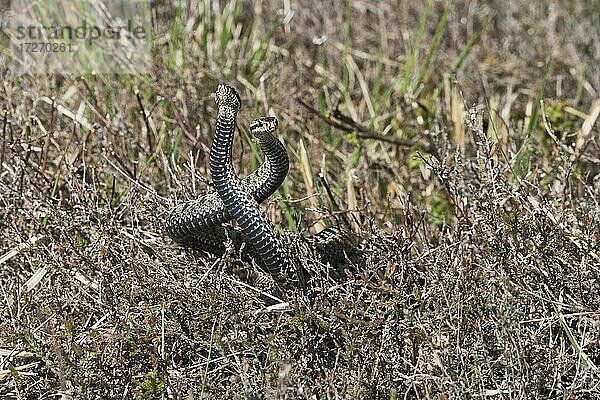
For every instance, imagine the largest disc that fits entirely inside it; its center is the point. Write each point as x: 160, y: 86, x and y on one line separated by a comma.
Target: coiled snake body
x: 257, y: 228
x: 199, y: 221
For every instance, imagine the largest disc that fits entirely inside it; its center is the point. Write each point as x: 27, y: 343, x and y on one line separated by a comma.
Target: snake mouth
x: 263, y: 125
x: 227, y: 96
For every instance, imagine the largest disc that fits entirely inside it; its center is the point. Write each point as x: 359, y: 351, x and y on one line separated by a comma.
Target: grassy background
x: 460, y: 138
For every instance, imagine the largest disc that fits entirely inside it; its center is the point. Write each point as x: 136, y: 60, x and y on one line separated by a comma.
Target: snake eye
x: 263, y: 125
x: 270, y: 123
x: 273, y: 123
x: 255, y: 125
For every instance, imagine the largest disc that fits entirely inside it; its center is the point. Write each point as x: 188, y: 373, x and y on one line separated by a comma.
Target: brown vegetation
x: 461, y: 139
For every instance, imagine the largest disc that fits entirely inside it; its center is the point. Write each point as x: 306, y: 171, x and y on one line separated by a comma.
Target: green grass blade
x: 523, y: 157
x: 540, y: 94
x: 435, y: 40
x: 404, y: 77
x: 473, y: 40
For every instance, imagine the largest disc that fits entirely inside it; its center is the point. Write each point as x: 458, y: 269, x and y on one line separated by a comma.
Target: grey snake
x: 199, y: 222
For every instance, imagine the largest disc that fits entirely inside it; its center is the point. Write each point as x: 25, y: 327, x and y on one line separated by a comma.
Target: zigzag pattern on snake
x: 196, y: 216
x: 198, y: 222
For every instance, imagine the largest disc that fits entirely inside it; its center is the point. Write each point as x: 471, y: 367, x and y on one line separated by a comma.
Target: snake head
x: 263, y: 125
x: 227, y: 99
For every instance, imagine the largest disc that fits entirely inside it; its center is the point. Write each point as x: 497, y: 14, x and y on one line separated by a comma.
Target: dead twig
x: 347, y: 124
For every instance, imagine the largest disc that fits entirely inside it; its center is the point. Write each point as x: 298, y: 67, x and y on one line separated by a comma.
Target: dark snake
x: 199, y: 222
x: 257, y: 228
x: 192, y: 220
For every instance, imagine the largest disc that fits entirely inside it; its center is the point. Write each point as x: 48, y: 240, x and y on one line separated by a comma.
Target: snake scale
x: 199, y: 222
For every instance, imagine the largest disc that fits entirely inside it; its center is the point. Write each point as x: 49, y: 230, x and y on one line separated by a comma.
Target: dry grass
x: 434, y: 129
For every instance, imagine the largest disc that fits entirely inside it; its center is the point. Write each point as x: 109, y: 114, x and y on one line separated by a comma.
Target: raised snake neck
x: 257, y: 228
x: 199, y: 220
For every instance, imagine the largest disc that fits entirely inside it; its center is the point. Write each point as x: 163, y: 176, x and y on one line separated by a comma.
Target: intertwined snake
x: 199, y: 221
x: 196, y: 220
